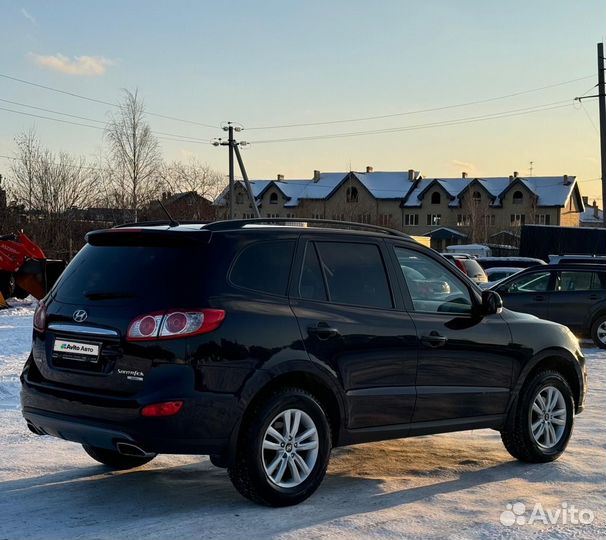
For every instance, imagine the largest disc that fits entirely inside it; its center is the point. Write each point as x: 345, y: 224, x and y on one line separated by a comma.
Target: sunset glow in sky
x: 276, y: 63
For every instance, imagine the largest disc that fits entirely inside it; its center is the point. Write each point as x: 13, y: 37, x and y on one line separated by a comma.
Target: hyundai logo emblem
x: 80, y: 315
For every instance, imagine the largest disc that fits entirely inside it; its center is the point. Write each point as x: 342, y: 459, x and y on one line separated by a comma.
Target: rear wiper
x: 96, y: 295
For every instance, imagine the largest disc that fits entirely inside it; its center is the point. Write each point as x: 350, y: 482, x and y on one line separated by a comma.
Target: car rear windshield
x: 115, y: 274
x: 473, y: 268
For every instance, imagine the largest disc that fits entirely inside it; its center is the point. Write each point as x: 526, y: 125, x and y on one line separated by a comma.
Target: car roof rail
x: 158, y: 223
x: 345, y: 225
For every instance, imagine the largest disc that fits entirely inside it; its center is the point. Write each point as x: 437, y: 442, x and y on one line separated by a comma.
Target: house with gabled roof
x: 474, y: 208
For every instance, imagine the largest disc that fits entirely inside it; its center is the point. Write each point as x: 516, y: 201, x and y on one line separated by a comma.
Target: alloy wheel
x: 548, y: 417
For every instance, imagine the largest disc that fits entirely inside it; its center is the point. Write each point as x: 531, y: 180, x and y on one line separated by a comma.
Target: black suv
x: 568, y: 293
x: 265, y: 344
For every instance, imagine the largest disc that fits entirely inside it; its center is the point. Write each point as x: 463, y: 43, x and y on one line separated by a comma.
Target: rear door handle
x: 434, y: 340
x: 539, y: 298
x: 593, y: 297
x: 322, y: 331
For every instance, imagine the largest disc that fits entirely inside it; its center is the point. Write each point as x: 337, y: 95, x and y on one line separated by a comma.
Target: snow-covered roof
x: 589, y: 215
x: 550, y: 190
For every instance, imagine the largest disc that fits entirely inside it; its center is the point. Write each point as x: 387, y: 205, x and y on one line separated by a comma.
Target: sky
x: 273, y: 63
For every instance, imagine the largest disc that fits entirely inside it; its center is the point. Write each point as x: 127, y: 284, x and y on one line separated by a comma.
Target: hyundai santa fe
x: 264, y: 345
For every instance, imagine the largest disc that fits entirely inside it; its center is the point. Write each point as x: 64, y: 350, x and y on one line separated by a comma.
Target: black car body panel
x: 383, y: 370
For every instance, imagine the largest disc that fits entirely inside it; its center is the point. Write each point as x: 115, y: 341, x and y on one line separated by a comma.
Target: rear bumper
x: 203, y: 426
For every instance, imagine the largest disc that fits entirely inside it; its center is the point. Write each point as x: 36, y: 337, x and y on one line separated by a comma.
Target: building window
x: 385, y: 220
x: 435, y: 198
x: 317, y: 216
x: 239, y: 198
x: 411, y: 219
x: 434, y: 219
x: 518, y: 197
x: 477, y: 197
x: 463, y: 220
x: 543, y: 219
x: 273, y: 198
x: 517, y: 220
x: 352, y: 194
x: 273, y: 216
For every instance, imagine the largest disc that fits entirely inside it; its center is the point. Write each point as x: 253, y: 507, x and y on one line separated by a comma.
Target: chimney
x: 515, y: 174
x: 586, y: 200
x: 463, y: 174
x: 510, y: 178
x: 316, y: 176
x: 596, y: 212
x: 369, y: 169
x: 566, y: 180
x: 280, y: 177
x: 411, y: 175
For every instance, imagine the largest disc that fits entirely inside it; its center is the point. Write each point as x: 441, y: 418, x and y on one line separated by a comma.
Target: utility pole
x: 602, y: 103
x: 230, y: 142
x: 234, y: 148
x: 601, y: 95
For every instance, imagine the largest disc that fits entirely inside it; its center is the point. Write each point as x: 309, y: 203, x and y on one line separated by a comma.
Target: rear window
x: 473, y: 268
x: 117, y: 273
x: 264, y: 266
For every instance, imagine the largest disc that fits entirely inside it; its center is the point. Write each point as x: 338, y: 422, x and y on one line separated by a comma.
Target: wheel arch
x: 304, y: 375
x: 559, y: 360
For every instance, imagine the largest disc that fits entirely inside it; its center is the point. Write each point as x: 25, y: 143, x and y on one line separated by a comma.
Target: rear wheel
x: 598, y: 332
x: 540, y: 424
x: 115, y: 459
x: 284, y: 449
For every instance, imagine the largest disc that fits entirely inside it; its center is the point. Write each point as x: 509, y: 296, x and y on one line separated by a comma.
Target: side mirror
x: 491, y: 302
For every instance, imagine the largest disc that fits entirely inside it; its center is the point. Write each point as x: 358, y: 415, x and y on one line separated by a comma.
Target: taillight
x: 168, y: 408
x: 174, y: 323
x: 459, y: 264
x: 40, y: 317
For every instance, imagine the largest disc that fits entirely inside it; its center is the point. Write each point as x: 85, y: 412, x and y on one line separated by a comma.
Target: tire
x: 7, y: 285
x: 598, y: 332
x: 114, y: 459
x: 548, y: 444
x: 254, y: 472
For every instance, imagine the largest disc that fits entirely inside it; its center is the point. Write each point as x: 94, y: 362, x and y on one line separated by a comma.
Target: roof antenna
x: 172, y: 222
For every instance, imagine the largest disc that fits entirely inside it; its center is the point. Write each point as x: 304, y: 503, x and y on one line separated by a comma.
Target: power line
x: 159, y: 134
x: 432, y: 109
x: 414, y: 127
x: 102, y: 102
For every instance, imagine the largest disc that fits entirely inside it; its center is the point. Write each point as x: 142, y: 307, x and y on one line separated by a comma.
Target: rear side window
x: 311, y: 284
x: 578, y: 281
x: 355, y: 274
x: 264, y: 267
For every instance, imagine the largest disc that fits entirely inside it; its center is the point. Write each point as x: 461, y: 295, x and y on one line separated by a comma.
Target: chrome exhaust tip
x: 128, y: 449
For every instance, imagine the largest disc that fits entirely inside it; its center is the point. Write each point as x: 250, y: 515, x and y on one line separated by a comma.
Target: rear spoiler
x: 133, y: 236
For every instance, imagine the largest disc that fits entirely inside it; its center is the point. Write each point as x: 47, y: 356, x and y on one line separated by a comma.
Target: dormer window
x: 518, y: 197
x: 273, y: 198
x: 352, y: 194
x: 239, y: 198
x: 436, y: 198
x: 477, y: 197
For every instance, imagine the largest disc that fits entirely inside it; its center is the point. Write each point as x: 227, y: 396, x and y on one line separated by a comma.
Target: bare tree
x: 193, y: 175
x: 135, y: 153
x: 475, y: 208
x: 52, y: 187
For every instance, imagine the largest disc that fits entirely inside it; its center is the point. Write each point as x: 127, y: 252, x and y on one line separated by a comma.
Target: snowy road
x: 447, y: 486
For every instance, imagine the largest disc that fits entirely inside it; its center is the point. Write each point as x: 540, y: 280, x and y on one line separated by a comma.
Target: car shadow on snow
x: 92, y: 500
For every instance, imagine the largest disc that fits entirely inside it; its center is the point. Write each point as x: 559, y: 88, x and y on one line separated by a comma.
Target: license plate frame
x: 77, y: 350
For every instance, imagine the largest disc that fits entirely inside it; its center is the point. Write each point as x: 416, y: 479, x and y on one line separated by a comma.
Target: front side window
x: 264, y: 266
x: 355, y: 274
x: 432, y: 287
x: 529, y: 283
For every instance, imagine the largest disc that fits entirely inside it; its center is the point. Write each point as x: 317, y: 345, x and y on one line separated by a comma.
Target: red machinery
x: 24, y: 268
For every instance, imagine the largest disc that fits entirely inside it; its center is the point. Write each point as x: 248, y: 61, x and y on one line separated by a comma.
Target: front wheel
x: 114, y: 459
x: 540, y: 423
x: 284, y: 449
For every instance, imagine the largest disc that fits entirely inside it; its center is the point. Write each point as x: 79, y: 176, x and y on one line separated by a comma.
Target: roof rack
x: 158, y: 223
x: 240, y: 223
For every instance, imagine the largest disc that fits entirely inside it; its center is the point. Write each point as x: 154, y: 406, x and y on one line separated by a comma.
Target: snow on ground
x: 443, y: 486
